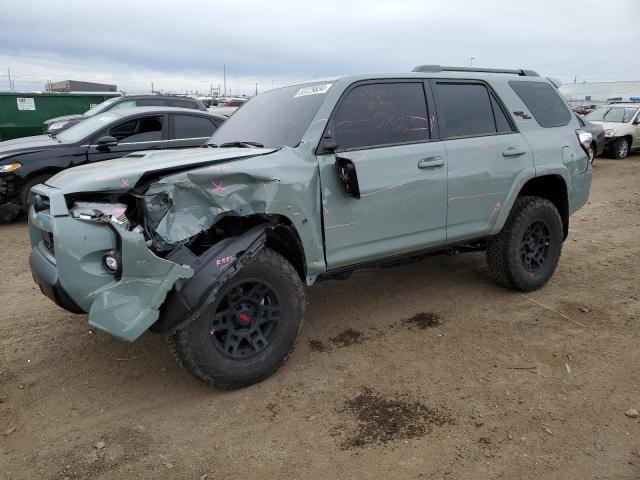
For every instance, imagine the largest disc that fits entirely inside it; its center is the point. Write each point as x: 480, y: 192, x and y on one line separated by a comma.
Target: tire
x: 37, y: 180
x: 620, y: 148
x: 205, y: 348
x: 518, y: 257
x: 591, y: 153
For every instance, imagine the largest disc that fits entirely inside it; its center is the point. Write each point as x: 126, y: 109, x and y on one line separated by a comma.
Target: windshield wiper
x: 241, y: 144
x: 54, y: 137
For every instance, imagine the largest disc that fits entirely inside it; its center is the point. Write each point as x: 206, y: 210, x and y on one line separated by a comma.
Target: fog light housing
x: 112, y: 263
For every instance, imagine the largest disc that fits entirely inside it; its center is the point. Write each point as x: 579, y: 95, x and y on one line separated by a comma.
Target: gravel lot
x: 425, y: 370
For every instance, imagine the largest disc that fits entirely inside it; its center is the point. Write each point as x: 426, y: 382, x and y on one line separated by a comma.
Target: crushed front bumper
x: 66, y: 262
x: 9, y: 202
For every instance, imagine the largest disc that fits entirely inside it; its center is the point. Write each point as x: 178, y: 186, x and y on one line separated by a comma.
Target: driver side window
x: 143, y: 129
x: 382, y: 114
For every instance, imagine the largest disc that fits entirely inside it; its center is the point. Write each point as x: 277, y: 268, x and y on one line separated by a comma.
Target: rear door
x: 484, y: 154
x: 382, y: 131
x: 145, y: 132
x: 190, y: 130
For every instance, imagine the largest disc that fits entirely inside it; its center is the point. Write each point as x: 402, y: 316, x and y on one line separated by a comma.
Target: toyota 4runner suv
x: 212, y: 246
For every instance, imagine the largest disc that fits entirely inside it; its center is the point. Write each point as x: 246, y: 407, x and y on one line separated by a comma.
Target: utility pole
x: 471, y: 61
x: 151, y: 87
x: 224, y: 73
x: 10, y: 83
x: 256, y: 88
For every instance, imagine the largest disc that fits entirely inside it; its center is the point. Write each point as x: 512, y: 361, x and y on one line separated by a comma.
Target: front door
x: 146, y: 132
x: 382, y: 131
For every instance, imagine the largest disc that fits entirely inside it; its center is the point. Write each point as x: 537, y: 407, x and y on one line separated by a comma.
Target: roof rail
x: 438, y: 68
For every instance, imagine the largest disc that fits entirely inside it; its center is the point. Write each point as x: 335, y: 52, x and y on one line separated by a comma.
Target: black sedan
x: 58, y: 124
x: 597, y: 132
x: 28, y: 161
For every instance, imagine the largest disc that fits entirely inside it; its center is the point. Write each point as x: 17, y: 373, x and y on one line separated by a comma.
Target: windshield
x: 82, y: 130
x: 101, y: 107
x: 274, y: 118
x: 612, y: 114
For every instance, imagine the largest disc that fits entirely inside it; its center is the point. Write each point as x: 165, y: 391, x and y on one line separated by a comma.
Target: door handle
x: 431, y: 162
x: 513, y: 152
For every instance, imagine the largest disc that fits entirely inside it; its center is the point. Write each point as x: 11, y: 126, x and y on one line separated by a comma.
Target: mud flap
x: 190, y: 297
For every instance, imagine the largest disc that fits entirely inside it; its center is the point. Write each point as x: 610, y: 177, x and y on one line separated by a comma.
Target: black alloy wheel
x: 245, y: 319
x: 534, y: 247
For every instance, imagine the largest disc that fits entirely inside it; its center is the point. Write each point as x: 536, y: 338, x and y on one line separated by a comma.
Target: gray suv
x: 212, y: 246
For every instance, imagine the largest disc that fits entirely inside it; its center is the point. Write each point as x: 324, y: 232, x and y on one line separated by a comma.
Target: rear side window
x: 382, y: 114
x: 144, y: 129
x: 183, y: 103
x: 502, y: 124
x: 467, y: 110
x: 151, y: 102
x: 190, y: 126
x: 544, y: 103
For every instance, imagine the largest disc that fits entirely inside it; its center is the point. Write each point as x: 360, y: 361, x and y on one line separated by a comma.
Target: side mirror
x: 348, y: 176
x: 106, y: 142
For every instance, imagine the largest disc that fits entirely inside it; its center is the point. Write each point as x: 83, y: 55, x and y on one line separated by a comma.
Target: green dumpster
x: 22, y: 113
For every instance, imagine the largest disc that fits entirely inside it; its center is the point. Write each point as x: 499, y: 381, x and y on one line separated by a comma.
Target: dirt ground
x: 426, y: 370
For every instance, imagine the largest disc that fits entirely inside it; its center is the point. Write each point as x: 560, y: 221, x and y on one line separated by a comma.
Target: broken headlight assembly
x: 99, y: 210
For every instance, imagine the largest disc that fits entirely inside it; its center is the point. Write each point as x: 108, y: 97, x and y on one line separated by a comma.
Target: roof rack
x: 438, y: 68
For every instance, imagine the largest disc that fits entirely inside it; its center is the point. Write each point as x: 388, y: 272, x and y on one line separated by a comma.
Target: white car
x: 621, y: 123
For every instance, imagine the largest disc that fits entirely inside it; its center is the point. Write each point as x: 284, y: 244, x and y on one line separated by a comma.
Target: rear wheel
x: 620, y: 148
x: 251, y: 328
x: 524, y: 255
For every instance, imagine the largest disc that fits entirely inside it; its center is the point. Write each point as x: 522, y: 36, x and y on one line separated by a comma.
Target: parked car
x: 211, y: 247
x: 621, y: 123
x: 234, y: 102
x: 597, y: 132
x: 58, y: 124
x: 28, y: 161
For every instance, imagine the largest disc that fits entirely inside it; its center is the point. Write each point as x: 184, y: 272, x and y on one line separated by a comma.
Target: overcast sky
x: 182, y: 46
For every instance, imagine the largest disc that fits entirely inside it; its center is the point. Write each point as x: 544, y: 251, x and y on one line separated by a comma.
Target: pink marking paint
x: 220, y: 168
x: 217, y: 187
x: 225, y: 260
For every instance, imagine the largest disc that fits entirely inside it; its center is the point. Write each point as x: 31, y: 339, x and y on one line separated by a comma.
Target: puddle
x: 383, y: 419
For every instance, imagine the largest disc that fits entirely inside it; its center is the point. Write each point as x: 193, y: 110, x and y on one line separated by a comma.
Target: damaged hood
x: 123, y: 173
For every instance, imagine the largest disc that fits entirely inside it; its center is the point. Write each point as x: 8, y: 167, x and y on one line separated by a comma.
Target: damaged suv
x: 212, y: 246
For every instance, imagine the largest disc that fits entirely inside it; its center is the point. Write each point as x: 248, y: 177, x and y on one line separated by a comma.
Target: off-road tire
x: 620, y: 148
x: 193, y: 347
x: 504, y: 250
x: 37, y: 180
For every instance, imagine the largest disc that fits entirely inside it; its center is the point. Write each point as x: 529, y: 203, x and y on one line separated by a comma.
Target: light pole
x: 471, y: 61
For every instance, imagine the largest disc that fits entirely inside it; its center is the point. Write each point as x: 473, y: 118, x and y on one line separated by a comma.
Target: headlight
x: 610, y: 132
x: 57, y: 125
x: 97, y: 210
x: 10, y: 167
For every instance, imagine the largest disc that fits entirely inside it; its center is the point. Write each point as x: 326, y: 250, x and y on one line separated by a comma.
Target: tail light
x: 585, y: 138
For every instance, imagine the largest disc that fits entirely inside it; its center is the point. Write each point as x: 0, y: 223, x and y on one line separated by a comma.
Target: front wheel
x: 251, y: 328
x: 524, y: 255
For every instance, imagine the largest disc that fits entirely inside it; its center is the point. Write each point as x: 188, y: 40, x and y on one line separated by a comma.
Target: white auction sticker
x: 313, y: 90
x: 26, y: 103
